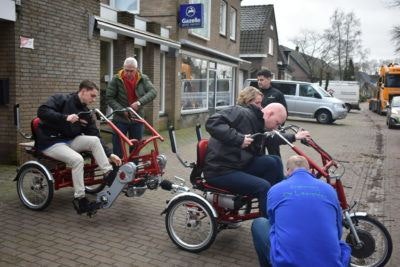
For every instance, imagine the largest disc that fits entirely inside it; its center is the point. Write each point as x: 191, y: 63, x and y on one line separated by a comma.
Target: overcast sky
x: 377, y: 20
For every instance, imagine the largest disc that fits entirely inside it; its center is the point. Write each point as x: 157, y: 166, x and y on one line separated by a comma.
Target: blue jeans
x: 132, y: 130
x: 260, y: 232
x: 254, y: 180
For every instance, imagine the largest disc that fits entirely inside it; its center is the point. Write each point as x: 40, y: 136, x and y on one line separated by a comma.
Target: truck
x: 388, y: 86
x: 347, y: 91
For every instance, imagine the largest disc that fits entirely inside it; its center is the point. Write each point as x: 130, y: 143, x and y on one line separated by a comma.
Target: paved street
x: 132, y: 232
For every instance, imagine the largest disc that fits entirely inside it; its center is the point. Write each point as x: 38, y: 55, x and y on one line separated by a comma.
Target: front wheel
x: 324, y: 117
x: 34, y: 187
x: 190, y: 224
x: 376, y: 244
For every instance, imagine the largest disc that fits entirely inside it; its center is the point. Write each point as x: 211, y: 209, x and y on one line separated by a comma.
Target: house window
x: 232, y: 19
x: 222, y: 18
x: 201, y: 91
x: 271, y: 46
x: 224, y: 90
x: 203, y: 32
x: 139, y: 56
x: 162, y: 83
x: 131, y: 6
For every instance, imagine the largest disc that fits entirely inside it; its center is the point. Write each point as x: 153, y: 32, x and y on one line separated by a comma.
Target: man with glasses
x: 235, y: 161
x: 129, y: 88
x: 62, y: 134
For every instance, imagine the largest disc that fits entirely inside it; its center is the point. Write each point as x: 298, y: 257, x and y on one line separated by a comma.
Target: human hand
x: 135, y: 105
x: 115, y: 159
x: 72, y: 118
x: 302, y: 134
x: 247, y: 141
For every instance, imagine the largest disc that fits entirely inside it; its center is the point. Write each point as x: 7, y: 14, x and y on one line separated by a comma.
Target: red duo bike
x: 142, y: 167
x: 193, y: 219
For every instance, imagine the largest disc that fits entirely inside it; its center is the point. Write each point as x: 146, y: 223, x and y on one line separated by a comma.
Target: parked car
x: 308, y: 100
x: 393, y: 113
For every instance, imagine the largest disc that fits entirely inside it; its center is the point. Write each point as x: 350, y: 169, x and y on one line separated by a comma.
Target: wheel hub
x: 367, y: 246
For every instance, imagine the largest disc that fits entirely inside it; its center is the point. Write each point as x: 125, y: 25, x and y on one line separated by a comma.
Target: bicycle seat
x: 196, y: 176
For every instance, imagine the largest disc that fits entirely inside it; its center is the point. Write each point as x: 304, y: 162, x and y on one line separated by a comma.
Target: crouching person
x: 304, y: 224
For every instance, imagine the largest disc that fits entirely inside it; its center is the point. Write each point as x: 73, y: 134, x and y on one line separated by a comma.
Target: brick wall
x: 7, y: 71
x: 62, y: 58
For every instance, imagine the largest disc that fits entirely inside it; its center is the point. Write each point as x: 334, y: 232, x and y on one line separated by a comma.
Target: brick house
x: 195, y: 71
x: 205, y: 71
x: 259, y: 38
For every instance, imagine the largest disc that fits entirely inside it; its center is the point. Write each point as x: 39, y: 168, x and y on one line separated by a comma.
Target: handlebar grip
x: 198, y: 131
x: 171, y: 133
x: 304, y: 142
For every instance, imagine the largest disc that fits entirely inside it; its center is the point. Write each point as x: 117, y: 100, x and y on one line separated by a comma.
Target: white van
x: 308, y: 100
x: 347, y: 91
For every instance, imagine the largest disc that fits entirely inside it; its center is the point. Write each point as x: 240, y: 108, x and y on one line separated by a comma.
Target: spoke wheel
x: 376, y: 244
x: 190, y: 224
x: 34, y: 187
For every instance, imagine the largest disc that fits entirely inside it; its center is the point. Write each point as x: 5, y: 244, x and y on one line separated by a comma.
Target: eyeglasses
x: 129, y: 70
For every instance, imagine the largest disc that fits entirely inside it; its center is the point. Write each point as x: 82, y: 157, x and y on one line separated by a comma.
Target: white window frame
x: 139, y: 57
x: 198, y: 32
x: 222, y: 17
x: 232, y: 23
x: 162, y: 83
x: 123, y: 5
x: 270, y: 46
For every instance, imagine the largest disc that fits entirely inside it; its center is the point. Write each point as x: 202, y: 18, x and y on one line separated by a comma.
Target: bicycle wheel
x: 190, y: 224
x: 34, y: 187
x: 376, y: 243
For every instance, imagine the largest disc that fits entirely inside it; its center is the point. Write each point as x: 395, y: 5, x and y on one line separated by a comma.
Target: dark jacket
x: 117, y: 98
x: 273, y: 95
x: 54, y: 128
x: 227, y: 129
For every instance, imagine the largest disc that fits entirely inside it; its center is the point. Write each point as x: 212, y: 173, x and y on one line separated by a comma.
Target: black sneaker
x: 109, y: 176
x: 81, y: 205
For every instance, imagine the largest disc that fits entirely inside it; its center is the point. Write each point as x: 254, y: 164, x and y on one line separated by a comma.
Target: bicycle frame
x: 321, y: 171
x: 148, y: 164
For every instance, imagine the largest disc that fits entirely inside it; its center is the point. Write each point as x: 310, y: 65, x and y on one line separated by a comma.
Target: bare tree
x: 396, y: 29
x: 345, y: 34
x: 314, y: 50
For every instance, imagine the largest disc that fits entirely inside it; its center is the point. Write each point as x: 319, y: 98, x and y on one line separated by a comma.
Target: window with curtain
x: 205, y: 31
x: 222, y: 18
x: 233, y: 19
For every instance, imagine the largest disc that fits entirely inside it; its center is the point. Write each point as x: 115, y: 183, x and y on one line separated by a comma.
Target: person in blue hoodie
x: 304, y: 225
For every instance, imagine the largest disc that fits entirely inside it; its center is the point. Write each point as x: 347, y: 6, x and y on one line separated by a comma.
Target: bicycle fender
x: 193, y: 195
x: 358, y: 213
x: 39, y: 165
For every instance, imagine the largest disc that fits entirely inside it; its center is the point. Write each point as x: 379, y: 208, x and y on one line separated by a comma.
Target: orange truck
x: 388, y: 86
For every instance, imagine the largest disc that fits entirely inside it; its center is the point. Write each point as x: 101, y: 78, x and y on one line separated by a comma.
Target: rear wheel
x: 34, y: 187
x: 190, y: 224
x: 376, y: 243
x: 324, y: 117
x: 348, y: 107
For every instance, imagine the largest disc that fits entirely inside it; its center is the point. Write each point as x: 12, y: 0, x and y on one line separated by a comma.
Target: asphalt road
x: 132, y: 232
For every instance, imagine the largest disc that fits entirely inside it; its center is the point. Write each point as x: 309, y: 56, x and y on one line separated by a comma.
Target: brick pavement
x: 132, y: 232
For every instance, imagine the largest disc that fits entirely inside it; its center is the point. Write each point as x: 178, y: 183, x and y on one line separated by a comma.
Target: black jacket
x: 227, y: 129
x: 273, y: 95
x: 54, y: 128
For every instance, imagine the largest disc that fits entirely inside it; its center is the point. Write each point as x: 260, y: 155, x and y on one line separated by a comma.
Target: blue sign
x: 191, y: 16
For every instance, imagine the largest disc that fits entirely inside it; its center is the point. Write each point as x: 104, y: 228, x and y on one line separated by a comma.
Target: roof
x: 298, y: 57
x: 253, y: 28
